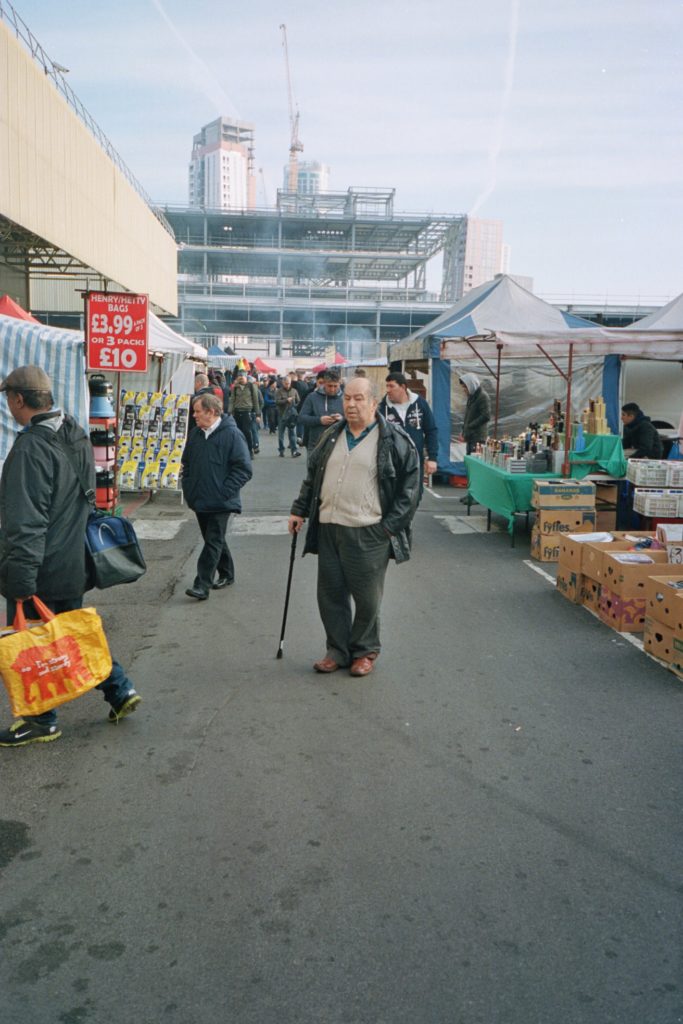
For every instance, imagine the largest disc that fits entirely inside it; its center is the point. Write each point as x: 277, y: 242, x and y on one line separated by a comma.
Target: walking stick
x: 289, y: 587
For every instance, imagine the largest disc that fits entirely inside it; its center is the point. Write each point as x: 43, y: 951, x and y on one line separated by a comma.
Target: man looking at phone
x: 321, y: 409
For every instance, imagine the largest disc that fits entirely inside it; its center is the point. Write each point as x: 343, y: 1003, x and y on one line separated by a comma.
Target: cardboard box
x: 628, y: 580
x: 544, y: 549
x: 606, y: 519
x: 590, y: 594
x: 663, y: 643
x: 606, y: 494
x: 551, y: 522
x: 570, y: 584
x: 563, y: 494
x: 625, y: 614
x: 664, y: 600
x: 594, y: 554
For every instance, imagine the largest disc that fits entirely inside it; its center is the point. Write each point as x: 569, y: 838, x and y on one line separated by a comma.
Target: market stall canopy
x: 337, y: 361
x: 594, y: 341
x: 166, y: 341
x: 60, y: 353
x: 668, y: 318
x: 262, y: 366
x: 498, y: 305
x: 8, y: 307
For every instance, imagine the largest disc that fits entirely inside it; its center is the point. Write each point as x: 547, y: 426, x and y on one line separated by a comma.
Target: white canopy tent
x: 560, y: 346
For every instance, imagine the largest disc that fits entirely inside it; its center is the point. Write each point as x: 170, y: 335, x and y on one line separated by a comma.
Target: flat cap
x: 27, y: 378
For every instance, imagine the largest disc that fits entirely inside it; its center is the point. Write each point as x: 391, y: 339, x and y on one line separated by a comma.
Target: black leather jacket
x: 398, y: 476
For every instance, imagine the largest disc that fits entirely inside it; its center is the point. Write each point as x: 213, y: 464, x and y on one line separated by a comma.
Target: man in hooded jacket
x: 640, y: 436
x: 477, y: 411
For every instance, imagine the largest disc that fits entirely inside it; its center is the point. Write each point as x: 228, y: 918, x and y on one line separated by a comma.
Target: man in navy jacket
x: 216, y: 465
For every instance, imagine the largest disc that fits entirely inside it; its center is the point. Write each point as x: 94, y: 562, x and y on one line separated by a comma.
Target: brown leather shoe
x: 363, y: 666
x: 326, y: 665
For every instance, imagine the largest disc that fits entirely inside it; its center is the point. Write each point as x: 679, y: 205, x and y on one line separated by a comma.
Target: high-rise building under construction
x: 222, y: 167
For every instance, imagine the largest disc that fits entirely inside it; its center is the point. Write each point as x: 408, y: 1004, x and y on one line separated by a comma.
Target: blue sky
x: 564, y: 120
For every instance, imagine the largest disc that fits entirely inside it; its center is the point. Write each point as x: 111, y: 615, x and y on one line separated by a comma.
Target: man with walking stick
x: 360, y: 495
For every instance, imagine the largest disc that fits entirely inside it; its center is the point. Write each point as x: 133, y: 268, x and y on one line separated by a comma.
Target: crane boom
x: 295, y: 145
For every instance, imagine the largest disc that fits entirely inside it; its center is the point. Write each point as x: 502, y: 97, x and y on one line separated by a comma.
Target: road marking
x: 468, y: 524
x: 157, y: 529
x: 541, y: 572
x: 260, y: 526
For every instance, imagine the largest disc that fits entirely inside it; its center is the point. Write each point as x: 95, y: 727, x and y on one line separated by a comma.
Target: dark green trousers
x: 352, y: 563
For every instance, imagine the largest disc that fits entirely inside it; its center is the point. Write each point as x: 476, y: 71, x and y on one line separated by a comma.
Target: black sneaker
x: 221, y: 582
x: 296, y: 455
x: 197, y: 594
x: 281, y: 454
x: 21, y: 732
x: 128, y: 705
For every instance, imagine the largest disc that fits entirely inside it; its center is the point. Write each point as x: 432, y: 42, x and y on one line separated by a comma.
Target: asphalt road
x: 487, y: 829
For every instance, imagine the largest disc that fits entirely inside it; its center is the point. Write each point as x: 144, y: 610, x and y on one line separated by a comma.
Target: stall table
x: 507, y: 494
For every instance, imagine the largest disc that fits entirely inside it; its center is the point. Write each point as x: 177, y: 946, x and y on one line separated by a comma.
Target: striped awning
x: 60, y: 353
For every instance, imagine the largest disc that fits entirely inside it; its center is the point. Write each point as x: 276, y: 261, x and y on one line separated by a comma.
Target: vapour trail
x: 497, y: 139
x: 206, y: 80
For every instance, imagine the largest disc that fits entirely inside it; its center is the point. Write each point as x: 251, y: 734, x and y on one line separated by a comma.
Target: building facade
x: 222, y: 166
x: 478, y: 254
x: 312, y: 178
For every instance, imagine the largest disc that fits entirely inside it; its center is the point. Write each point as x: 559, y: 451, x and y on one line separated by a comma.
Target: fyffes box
x: 562, y: 493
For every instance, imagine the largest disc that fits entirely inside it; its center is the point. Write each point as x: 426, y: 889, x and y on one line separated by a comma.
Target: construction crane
x: 295, y: 145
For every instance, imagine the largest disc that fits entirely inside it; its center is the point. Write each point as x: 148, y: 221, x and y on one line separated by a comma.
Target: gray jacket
x: 43, y: 512
x: 318, y: 404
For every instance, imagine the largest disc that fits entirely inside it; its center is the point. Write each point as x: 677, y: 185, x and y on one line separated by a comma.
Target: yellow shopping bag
x: 53, y: 661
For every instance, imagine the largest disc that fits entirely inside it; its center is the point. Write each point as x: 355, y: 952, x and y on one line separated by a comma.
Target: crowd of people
x: 367, y: 456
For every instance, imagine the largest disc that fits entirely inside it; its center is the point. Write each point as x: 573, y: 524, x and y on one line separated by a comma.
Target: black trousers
x: 243, y: 421
x: 352, y: 563
x: 215, y: 556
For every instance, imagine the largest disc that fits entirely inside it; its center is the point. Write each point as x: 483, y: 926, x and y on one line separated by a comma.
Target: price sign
x: 116, y: 331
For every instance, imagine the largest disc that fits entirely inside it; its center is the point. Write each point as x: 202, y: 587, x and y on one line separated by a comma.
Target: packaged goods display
x: 152, y: 435
x: 594, y: 417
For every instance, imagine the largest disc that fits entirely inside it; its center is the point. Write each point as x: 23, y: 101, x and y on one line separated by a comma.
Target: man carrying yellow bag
x: 43, y: 513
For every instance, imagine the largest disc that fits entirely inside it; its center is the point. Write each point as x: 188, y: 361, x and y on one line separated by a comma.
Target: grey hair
x: 202, y: 379
x: 209, y: 403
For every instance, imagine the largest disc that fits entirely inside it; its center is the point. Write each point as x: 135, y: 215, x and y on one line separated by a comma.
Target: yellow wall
x: 57, y: 181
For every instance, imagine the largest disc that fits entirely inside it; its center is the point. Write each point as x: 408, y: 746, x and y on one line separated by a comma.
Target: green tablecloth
x: 602, y: 452
x: 504, y: 493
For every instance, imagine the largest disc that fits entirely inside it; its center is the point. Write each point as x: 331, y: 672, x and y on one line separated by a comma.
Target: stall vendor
x: 477, y: 412
x: 640, y: 438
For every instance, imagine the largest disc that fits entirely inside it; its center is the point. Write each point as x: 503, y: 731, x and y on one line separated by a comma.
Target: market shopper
x: 360, y: 495
x: 412, y: 412
x: 269, y: 407
x: 640, y: 438
x: 216, y: 465
x: 287, y: 401
x: 245, y: 406
x: 321, y: 409
x: 477, y: 411
x: 43, y: 512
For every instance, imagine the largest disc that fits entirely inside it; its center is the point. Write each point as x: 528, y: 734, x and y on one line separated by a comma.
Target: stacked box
x: 664, y: 601
x: 563, y: 507
x: 663, y: 636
